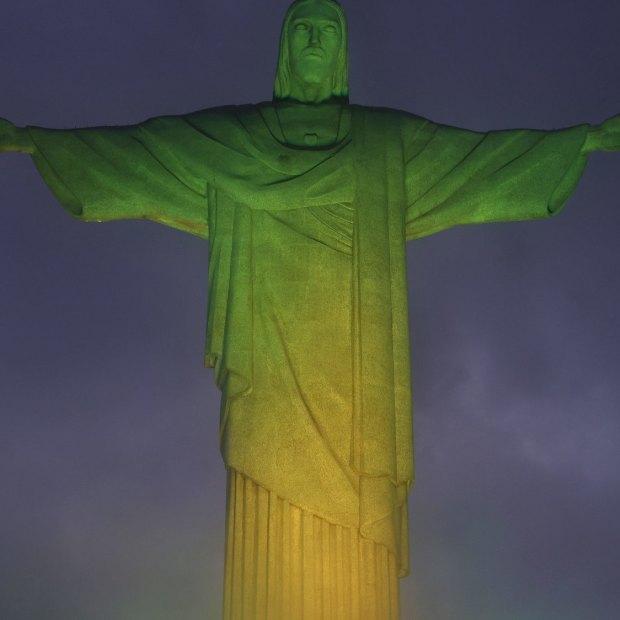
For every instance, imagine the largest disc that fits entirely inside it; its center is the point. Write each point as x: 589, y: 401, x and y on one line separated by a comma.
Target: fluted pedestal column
x: 283, y: 563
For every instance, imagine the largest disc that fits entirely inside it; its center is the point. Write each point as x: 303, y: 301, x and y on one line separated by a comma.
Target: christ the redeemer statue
x: 307, y: 202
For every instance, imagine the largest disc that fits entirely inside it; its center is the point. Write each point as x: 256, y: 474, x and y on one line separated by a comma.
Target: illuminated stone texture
x: 308, y: 202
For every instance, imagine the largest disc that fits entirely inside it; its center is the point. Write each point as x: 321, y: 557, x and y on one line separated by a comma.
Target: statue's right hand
x: 14, y: 139
x: 7, y: 135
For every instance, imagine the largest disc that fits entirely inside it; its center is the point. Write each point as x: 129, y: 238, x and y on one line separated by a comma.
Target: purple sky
x: 112, y: 485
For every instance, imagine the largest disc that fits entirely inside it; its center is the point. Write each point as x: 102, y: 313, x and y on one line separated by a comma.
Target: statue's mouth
x: 314, y: 51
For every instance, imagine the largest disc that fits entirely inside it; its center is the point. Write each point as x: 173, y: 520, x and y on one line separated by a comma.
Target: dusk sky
x: 112, y: 486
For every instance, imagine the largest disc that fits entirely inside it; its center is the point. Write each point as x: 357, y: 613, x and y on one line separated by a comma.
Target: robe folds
x: 307, y: 325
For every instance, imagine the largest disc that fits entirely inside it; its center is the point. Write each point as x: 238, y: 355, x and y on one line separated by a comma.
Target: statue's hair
x: 340, y: 80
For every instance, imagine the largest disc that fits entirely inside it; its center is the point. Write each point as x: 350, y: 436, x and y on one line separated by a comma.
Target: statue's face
x: 314, y: 42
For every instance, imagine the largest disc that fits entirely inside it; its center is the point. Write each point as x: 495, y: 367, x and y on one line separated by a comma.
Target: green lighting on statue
x: 307, y: 202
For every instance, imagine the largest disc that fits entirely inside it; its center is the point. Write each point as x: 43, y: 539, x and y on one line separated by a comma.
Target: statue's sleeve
x: 455, y: 176
x: 152, y: 170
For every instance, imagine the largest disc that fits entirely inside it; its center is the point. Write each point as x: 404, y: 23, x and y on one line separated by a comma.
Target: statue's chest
x: 312, y: 127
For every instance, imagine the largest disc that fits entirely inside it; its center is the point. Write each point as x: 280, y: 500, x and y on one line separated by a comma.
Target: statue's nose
x: 315, y: 38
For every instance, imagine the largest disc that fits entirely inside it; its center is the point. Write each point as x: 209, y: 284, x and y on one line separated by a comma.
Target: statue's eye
x: 330, y: 28
x: 301, y: 26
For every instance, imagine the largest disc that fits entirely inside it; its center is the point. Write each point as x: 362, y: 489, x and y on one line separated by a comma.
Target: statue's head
x: 313, y: 49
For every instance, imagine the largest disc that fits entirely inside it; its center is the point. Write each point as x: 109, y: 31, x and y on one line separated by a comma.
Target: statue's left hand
x: 14, y: 139
x: 605, y: 137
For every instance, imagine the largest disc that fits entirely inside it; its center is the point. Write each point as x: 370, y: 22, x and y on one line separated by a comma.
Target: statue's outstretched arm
x: 14, y: 139
x: 456, y: 177
x: 111, y: 173
x: 604, y: 137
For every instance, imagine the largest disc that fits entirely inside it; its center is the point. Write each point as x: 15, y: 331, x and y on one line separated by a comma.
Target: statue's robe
x: 307, y: 319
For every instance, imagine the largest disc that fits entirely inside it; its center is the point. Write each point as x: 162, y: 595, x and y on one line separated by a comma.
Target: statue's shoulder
x: 218, y: 113
x: 407, y: 121
x: 222, y: 120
